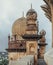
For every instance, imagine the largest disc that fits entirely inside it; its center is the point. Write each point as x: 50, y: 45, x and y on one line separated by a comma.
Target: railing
x: 17, y: 44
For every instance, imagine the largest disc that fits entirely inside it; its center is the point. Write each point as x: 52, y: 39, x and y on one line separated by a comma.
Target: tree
x: 5, y: 62
x: 48, y: 8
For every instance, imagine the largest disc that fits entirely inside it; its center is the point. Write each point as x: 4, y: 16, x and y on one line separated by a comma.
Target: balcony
x: 32, y: 36
x: 16, y: 50
x: 42, y: 44
x: 18, y: 44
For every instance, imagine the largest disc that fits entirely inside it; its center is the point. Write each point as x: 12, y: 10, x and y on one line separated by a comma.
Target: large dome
x: 19, y: 27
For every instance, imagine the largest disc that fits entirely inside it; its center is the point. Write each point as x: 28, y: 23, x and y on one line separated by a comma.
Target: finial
x: 31, y: 5
x: 23, y: 14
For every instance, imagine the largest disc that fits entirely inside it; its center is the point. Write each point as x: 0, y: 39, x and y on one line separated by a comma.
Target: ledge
x: 42, y: 44
x: 16, y: 50
x: 32, y: 36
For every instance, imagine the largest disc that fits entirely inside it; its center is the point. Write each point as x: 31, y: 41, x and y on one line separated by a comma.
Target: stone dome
x: 19, y: 27
x: 31, y: 14
x: 43, y: 32
x: 31, y: 11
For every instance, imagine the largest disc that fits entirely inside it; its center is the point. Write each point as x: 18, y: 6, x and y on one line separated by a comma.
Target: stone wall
x: 16, y: 55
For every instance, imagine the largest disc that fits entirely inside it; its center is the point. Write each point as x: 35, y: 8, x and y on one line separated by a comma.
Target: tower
x: 31, y: 34
x: 42, y: 44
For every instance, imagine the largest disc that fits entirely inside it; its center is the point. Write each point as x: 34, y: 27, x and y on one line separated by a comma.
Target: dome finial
x: 31, y: 5
x: 23, y: 13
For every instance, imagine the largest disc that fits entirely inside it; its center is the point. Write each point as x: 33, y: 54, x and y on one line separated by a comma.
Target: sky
x: 10, y: 10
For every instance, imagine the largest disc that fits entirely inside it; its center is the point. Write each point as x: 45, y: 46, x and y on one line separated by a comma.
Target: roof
x: 19, y: 27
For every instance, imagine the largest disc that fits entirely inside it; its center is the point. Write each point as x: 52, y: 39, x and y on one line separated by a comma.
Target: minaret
x: 42, y: 44
x: 31, y: 36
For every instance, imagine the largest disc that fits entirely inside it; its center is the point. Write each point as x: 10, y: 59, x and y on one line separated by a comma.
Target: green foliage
x: 4, y: 62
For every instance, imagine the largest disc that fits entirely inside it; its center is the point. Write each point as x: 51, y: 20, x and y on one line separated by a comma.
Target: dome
x: 19, y: 27
x: 43, y: 32
x: 31, y: 11
x: 31, y: 14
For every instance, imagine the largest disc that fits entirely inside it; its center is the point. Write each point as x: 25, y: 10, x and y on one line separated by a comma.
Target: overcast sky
x: 10, y: 10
